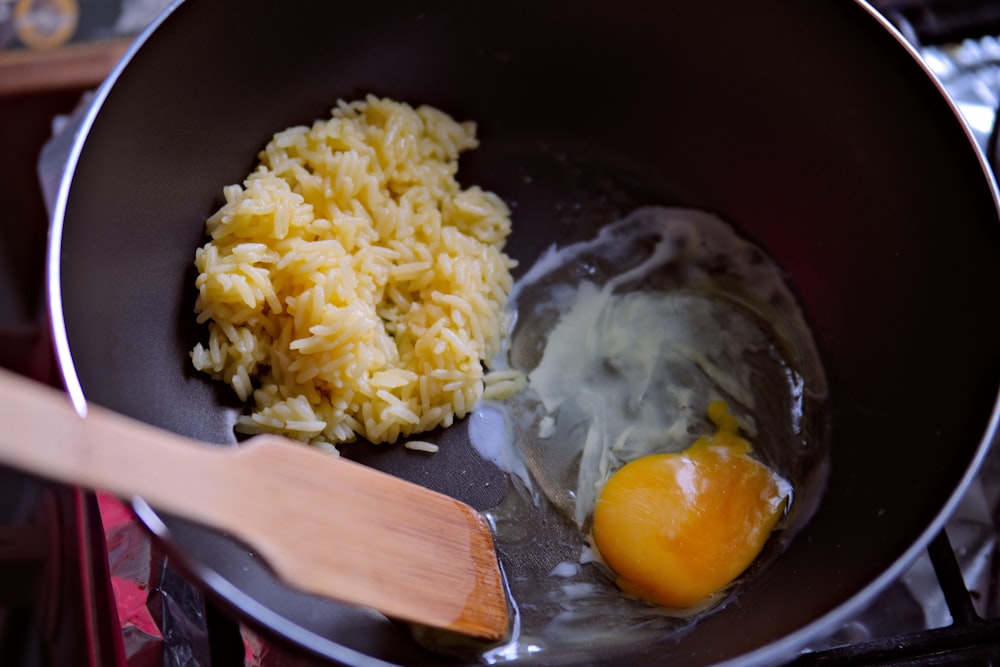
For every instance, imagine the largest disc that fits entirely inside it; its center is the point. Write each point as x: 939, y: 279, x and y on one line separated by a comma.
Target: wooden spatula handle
x: 326, y: 525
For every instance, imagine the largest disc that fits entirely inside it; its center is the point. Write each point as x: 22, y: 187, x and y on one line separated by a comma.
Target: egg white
x: 625, y: 339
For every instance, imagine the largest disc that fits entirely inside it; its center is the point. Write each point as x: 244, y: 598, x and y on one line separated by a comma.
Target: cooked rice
x: 421, y: 446
x: 501, y: 385
x: 351, y: 286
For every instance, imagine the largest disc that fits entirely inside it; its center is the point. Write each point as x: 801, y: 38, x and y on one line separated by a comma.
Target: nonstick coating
x: 809, y: 125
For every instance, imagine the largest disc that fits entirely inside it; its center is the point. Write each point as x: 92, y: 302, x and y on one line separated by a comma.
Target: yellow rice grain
x: 351, y: 287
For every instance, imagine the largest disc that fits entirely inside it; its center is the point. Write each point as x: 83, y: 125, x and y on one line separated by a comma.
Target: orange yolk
x: 678, y: 527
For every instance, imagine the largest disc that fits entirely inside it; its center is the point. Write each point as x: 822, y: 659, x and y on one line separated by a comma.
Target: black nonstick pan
x: 810, y: 126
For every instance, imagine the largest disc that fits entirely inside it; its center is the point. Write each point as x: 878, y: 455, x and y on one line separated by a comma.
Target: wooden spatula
x: 326, y: 525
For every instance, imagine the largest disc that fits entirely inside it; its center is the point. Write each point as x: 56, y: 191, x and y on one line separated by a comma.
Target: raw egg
x: 679, y: 527
x: 663, y: 329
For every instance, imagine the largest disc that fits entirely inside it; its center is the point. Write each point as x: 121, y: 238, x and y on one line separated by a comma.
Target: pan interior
x: 846, y: 165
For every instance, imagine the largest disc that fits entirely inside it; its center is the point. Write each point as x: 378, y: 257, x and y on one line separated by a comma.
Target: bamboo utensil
x: 326, y: 525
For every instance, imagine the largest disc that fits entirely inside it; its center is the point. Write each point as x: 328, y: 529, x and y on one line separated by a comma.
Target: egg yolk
x: 678, y: 527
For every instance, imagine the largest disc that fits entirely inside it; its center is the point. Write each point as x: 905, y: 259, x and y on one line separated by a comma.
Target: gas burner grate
x: 969, y: 640
x: 943, y: 21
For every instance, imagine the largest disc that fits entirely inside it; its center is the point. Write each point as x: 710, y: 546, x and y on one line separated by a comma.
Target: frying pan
x: 810, y: 126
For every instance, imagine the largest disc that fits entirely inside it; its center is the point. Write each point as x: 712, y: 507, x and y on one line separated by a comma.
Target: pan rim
x: 257, y: 612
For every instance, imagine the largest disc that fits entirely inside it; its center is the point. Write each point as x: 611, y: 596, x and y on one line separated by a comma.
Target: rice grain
x: 351, y: 287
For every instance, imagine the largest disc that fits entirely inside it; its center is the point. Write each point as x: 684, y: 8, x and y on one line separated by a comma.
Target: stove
x: 81, y: 583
